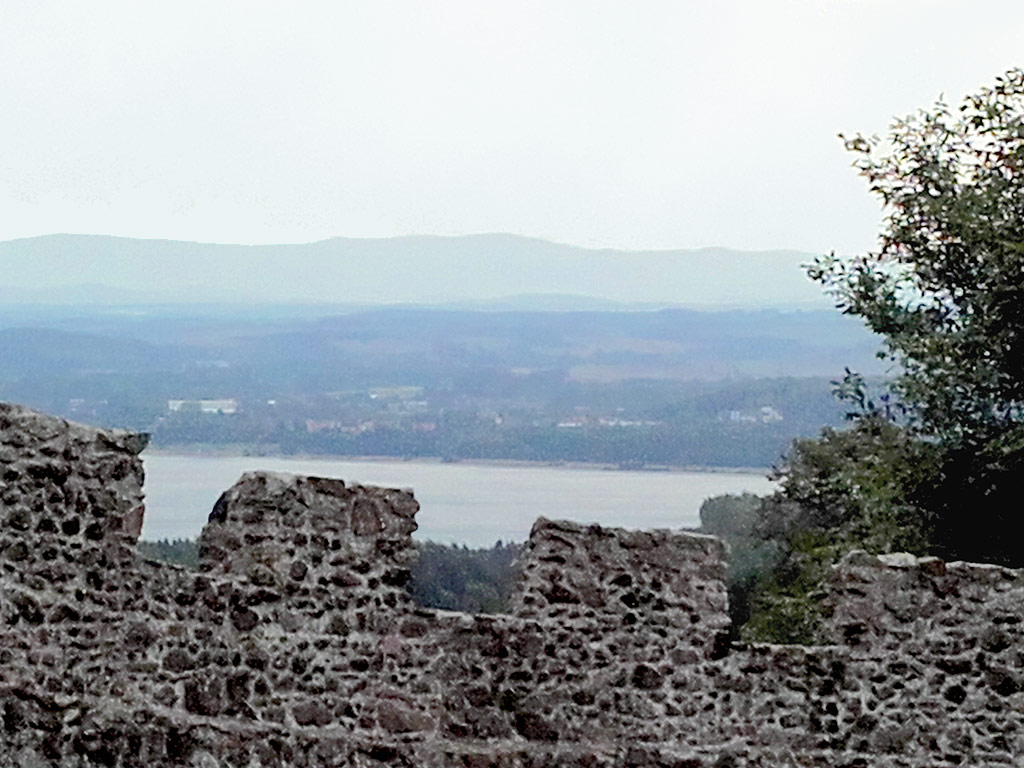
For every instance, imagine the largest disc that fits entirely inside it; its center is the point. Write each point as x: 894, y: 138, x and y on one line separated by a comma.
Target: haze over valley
x: 91, y: 269
x: 333, y: 348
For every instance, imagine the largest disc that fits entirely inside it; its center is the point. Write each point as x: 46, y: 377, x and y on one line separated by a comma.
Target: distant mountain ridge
x: 63, y: 269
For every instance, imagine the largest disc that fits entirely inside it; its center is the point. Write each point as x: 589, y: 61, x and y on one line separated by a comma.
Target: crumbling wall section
x: 295, y: 644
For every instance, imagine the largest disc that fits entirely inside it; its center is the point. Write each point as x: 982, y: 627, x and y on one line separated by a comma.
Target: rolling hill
x: 61, y: 269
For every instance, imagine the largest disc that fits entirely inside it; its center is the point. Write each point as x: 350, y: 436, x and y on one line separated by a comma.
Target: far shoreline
x: 240, y: 453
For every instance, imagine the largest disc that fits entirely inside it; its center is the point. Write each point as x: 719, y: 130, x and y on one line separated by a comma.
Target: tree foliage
x: 936, y: 463
x: 860, y: 488
x: 178, y: 551
x: 457, y: 578
x: 736, y: 520
x: 945, y: 289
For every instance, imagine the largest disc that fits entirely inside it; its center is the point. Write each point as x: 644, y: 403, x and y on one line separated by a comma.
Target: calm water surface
x: 462, y: 503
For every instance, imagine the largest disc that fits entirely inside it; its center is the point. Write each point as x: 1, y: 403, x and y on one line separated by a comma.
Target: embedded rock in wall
x: 294, y: 642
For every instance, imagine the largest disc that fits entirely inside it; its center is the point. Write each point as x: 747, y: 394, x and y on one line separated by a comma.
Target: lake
x: 460, y: 503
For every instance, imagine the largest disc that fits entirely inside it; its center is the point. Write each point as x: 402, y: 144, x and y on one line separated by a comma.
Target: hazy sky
x: 629, y: 124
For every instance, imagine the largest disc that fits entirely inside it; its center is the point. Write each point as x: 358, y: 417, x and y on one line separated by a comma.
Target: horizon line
x: 422, y: 236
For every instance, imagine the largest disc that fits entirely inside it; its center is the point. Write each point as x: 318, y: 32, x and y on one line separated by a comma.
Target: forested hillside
x: 665, y: 387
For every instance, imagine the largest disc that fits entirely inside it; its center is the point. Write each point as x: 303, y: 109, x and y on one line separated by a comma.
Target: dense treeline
x: 179, y: 551
x: 747, y: 423
x: 678, y: 387
x: 711, y: 445
x: 457, y: 578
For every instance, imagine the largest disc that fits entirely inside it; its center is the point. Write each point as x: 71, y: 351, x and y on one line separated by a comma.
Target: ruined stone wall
x: 295, y: 644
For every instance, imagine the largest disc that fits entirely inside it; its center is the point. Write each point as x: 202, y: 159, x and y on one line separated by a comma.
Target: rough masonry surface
x: 295, y: 643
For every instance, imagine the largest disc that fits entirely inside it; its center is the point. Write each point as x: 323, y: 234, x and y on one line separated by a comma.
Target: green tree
x: 857, y: 488
x: 462, y: 579
x: 736, y: 520
x: 945, y: 290
x: 179, y: 551
x: 946, y: 287
x: 936, y: 463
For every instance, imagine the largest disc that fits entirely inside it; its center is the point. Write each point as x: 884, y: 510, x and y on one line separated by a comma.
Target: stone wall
x: 295, y: 644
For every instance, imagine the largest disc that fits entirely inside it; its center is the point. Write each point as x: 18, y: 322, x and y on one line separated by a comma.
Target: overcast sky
x: 630, y: 124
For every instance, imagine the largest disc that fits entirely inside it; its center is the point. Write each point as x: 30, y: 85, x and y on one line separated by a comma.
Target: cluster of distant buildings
x: 765, y: 415
x: 329, y: 425
x: 223, y: 405
x: 604, y: 421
